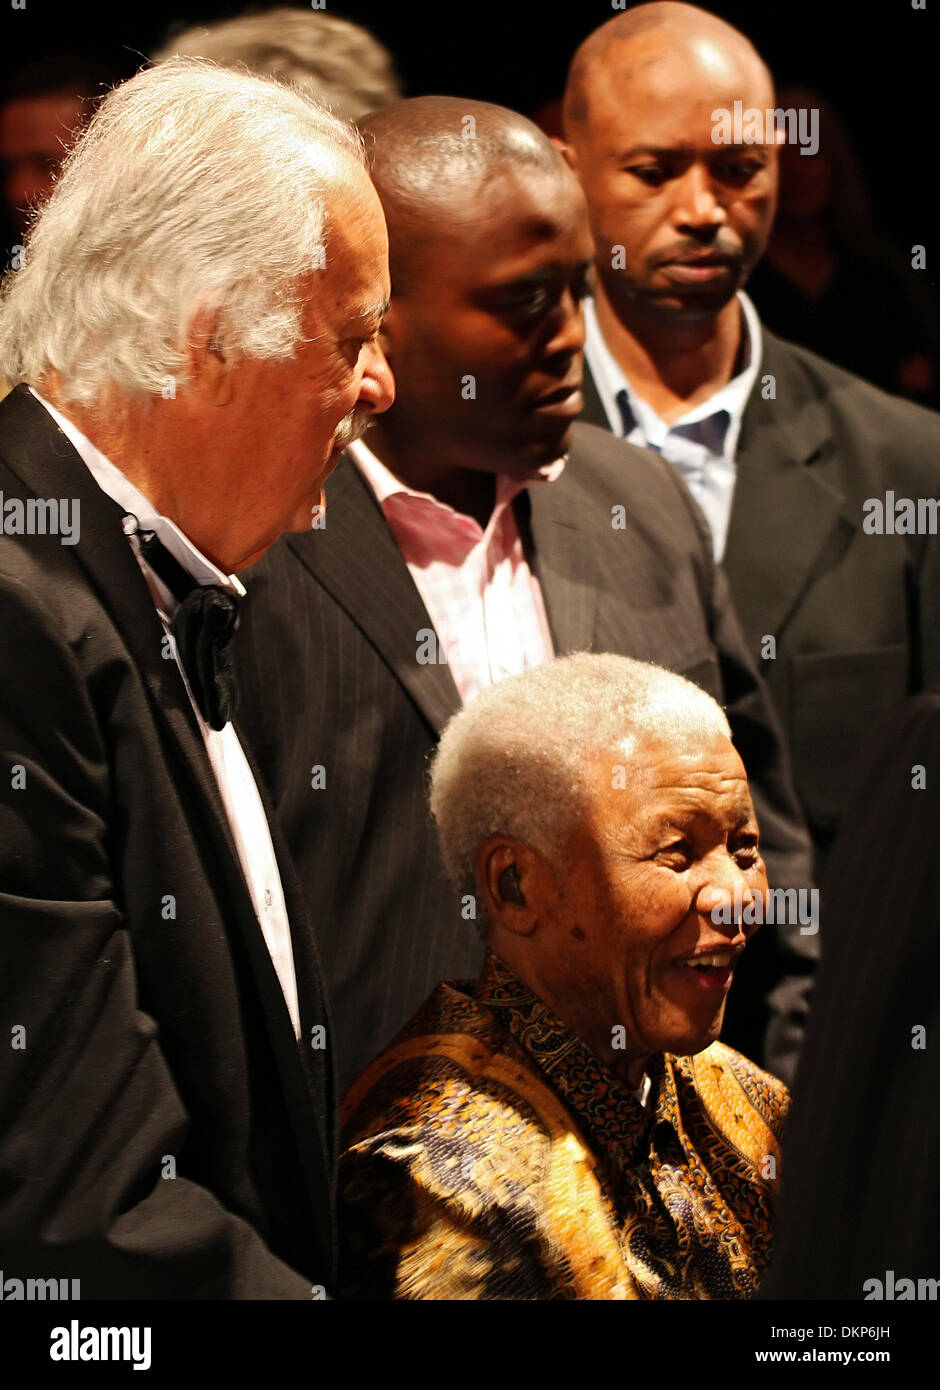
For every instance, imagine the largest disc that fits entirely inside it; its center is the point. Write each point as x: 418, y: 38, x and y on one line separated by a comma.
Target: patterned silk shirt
x: 490, y: 1154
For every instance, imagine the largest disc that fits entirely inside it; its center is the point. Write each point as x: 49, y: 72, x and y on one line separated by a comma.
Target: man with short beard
x: 784, y: 452
x: 461, y: 547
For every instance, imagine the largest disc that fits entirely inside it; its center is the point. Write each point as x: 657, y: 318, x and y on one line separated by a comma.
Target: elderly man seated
x: 569, y: 1127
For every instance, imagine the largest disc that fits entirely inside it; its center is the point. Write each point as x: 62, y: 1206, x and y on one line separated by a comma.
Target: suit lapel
x: 356, y: 559
x: 41, y: 456
x: 560, y: 555
x: 44, y: 459
x: 789, y: 501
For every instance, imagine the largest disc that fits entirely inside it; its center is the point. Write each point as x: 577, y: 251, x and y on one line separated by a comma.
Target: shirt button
x: 268, y: 897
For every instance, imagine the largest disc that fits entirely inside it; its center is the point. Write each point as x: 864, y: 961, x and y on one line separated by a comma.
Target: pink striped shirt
x: 482, y: 597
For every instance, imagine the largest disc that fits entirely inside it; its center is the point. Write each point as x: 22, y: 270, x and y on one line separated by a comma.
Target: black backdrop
x: 876, y: 62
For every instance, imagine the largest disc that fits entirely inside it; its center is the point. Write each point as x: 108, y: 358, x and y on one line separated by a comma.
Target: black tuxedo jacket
x: 161, y: 1133
x: 855, y: 617
x: 343, y: 719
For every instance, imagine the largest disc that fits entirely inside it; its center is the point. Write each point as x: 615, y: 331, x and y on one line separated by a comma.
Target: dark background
x: 877, y: 63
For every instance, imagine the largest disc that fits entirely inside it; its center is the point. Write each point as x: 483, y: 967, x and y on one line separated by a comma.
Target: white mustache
x: 353, y: 427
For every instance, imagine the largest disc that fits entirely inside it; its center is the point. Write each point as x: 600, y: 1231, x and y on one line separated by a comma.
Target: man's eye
x: 529, y: 302
x: 678, y: 854
x: 649, y: 174
x: 739, y: 171
x: 747, y: 852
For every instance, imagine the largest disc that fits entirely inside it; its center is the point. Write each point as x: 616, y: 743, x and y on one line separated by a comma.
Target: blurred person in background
x: 328, y: 58
x: 828, y: 282
x: 44, y: 106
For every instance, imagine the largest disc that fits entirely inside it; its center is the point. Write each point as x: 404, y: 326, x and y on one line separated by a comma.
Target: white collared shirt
x: 237, y: 787
x: 701, y: 444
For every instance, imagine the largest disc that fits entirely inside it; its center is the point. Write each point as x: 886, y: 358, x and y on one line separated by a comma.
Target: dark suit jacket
x: 856, y: 617
x: 161, y: 1133
x: 858, y: 1194
x: 327, y: 655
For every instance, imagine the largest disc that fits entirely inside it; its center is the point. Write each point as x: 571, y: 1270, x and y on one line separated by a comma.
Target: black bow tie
x: 204, y: 625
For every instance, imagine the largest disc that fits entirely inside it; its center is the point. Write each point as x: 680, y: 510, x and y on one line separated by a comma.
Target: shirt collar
x: 126, y: 495
x: 732, y: 397
x: 617, y: 1120
x: 385, y: 484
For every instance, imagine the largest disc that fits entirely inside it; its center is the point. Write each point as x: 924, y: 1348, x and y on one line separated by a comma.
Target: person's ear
x: 511, y: 879
x: 569, y: 153
x: 210, y: 363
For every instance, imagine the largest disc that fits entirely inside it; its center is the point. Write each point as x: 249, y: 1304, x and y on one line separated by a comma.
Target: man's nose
x: 566, y: 334
x: 724, y: 893
x: 697, y: 205
x: 378, y: 384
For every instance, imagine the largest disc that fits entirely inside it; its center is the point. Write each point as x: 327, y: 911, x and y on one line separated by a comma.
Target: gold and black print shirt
x: 490, y: 1154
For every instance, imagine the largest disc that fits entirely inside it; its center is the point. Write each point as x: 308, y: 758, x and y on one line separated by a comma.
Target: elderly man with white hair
x: 569, y: 1126
x: 194, y: 335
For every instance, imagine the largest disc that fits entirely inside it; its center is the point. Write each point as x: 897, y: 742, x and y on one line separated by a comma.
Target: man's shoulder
x: 723, y: 1077
x: 37, y: 549
x: 37, y: 571
x: 604, y: 471
x: 843, y: 393
x: 451, y: 1069
x: 597, y: 454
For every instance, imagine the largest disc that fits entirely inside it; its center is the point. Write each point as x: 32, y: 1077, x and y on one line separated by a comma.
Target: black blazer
x: 161, y: 1133
x: 869, y: 1077
x: 856, y: 617
x: 330, y: 680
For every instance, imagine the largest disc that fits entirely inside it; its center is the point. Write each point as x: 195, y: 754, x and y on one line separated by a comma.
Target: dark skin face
x: 607, y: 930
x: 496, y: 297
x: 693, y: 216
x: 35, y: 133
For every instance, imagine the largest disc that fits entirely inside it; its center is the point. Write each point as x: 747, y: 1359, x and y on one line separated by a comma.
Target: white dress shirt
x: 701, y: 444
x: 237, y: 786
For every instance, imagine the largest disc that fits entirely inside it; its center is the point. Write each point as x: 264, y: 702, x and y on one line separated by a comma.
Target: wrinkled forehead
x: 352, y: 275
x: 354, y: 215
x: 647, y: 779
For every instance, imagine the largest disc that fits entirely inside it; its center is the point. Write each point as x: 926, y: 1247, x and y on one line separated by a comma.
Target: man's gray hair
x: 328, y: 58
x: 193, y: 185
x: 520, y: 758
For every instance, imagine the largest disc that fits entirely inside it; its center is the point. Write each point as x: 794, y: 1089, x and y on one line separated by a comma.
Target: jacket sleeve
x: 410, y: 1229
x: 88, y: 1106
